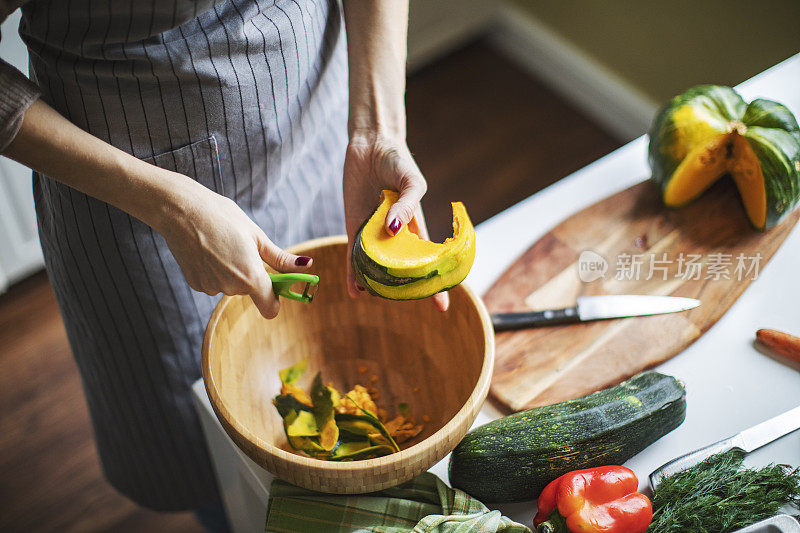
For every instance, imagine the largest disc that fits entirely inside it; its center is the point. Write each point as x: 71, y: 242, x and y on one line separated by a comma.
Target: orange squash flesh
x: 727, y: 153
x: 407, y: 254
x: 401, y: 252
x: 746, y: 173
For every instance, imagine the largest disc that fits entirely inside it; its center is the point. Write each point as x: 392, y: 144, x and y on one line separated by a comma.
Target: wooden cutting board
x: 630, y: 230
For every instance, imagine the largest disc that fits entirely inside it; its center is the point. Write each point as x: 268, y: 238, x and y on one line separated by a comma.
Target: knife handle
x: 693, y: 458
x: 529, y: 319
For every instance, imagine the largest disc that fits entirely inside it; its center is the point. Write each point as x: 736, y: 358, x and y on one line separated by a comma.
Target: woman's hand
x: 374, y: 163
x: 377, y: 156
x: 219, y: 249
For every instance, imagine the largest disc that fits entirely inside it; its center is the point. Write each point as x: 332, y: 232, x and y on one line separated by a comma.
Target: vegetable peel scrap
x: 332, y: 426
x: 382, y: 431
x: 324, y: 414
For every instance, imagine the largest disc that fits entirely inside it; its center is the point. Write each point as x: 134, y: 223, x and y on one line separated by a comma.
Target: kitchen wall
x: 436, y: 28
x: 20, y: 253
x: 663, y: 47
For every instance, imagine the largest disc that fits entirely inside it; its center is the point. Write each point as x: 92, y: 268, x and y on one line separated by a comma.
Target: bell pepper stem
x: 555, y: 523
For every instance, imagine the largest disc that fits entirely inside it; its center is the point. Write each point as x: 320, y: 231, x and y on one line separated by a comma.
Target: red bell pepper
x: 594, y: 500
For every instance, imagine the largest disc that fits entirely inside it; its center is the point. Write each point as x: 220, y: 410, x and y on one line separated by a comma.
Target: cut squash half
x: 406, y: 266
x: 708, y: 132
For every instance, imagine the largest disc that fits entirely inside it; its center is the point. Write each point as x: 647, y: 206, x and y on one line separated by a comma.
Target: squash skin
x: 423, y: 287
x: 412, y: 281
x: 514, y: 458
x: 695, y: 117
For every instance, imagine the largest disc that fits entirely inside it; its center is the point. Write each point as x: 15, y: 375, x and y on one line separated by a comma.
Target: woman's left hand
x: 374, y: 163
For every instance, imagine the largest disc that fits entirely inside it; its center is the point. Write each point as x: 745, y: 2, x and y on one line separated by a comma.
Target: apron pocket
x: 199, y: 161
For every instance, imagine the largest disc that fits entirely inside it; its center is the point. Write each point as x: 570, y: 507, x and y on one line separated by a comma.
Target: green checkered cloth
x: 423, y: 505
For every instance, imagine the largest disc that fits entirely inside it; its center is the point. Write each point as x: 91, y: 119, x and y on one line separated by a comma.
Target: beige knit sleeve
x: 17, y: 92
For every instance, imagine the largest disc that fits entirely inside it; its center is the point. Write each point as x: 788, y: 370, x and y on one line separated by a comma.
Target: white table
x: 730, y: 385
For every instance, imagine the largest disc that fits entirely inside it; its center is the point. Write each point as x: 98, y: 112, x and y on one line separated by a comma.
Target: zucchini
x: 513, y: 458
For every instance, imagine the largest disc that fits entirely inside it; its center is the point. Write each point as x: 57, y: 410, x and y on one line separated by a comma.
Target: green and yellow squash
x: 710, y: 131
x: 405, y: 266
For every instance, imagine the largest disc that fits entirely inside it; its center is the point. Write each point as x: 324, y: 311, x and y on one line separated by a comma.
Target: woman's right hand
x: 220, y: 249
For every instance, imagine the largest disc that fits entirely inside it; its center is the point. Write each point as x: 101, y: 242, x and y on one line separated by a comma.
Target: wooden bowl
x: 438, y: 363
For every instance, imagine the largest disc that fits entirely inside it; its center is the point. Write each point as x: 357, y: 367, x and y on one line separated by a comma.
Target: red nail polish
x: 394, y: 226
x: 302, y: 261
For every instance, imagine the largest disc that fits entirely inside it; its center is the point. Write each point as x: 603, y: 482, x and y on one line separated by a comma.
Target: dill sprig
x: 719, y: 495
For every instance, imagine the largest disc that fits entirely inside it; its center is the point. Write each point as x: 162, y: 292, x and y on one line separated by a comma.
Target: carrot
x: 781, y: 343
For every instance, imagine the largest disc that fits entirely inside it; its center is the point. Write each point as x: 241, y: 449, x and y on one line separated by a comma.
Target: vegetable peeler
x: 282, y: 286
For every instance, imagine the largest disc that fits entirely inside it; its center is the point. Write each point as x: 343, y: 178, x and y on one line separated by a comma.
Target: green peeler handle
x: 282, y: 283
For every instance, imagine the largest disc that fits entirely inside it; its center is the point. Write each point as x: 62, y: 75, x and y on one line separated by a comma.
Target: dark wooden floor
x: 485, y: 133
x: 482, y: 131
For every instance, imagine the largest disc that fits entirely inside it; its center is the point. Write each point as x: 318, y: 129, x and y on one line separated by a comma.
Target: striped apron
x: 247, y: 97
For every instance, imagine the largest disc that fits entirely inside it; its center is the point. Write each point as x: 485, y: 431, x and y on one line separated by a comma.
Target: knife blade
x: 747, y: 441
x: 595, y: 308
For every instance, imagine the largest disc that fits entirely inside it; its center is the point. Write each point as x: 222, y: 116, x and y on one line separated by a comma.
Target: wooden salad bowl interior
x: 438, y: 363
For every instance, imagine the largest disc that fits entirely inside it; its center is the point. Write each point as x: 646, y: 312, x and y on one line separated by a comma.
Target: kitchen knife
x: 595, y: 308
x: 746, y: 441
